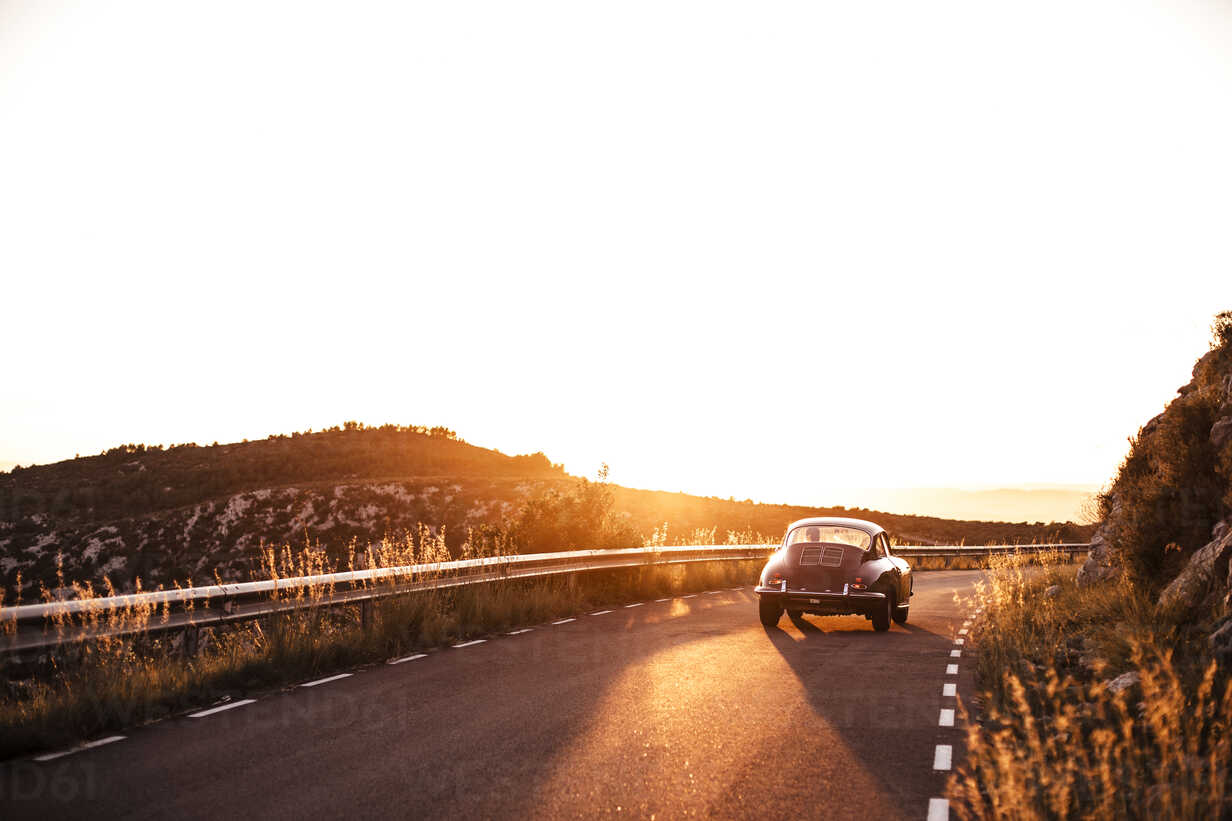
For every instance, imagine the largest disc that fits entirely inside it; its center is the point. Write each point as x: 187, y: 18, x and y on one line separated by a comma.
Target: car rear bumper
x: 811, y: 601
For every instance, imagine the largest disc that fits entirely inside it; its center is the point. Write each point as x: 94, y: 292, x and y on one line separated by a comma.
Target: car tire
x: 770, y: 611
x: 881, y: 616
x: 900, y: 614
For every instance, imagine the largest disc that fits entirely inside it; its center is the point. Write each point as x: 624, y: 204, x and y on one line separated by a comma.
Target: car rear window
x: 831, y: 534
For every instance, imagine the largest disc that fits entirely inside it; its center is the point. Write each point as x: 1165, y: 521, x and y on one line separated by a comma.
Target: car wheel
x: 900, y: 614
x: 770, y: 611
x: 881, y: 616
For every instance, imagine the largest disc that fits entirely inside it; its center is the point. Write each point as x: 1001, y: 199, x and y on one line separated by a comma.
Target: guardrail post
x: 192, y: 640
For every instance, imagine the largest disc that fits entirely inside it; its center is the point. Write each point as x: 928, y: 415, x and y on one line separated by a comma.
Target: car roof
x: 871, y: 528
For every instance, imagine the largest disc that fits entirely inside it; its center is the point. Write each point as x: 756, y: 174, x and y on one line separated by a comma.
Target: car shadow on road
x: 880, y: 691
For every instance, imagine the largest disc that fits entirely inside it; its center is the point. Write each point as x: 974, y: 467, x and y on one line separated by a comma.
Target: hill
x: 192, y: 513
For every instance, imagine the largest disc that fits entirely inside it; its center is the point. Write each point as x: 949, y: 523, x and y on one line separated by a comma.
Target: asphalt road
x: 685, y: 707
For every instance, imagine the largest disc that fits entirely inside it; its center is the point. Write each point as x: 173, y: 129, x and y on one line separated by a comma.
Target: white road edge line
x: 326, y: 680
x: 954, y: 654
x: 946, y: 719
x: 949, y: 689
x: 951, y: 669
x: 601, y: 613
x: 407, y: 658
x: 563, y: 621
x: 943, y: 758
x: 222, y: 707
x: 471, y: 643
x: 520, y: 632
x: 938, y: 809
x: 639, y: 604
x: 87, y: 746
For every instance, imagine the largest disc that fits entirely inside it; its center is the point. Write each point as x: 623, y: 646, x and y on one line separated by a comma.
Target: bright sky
x: 769, y: 250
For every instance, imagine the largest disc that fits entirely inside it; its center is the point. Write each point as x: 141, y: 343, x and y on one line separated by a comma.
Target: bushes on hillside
x: 582, y: 517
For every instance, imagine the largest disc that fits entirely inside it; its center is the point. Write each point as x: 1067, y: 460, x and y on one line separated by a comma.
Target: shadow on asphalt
x: 879, y: 691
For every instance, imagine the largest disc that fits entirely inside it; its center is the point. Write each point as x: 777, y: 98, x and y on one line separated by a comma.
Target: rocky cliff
x: 1167, y: 518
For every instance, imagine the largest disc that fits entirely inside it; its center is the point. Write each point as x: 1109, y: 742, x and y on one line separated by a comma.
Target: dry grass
x: 109, y: 683
x: 1053, y: 741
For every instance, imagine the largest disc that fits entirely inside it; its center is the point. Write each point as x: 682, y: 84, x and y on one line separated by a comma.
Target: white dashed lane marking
x: 946, y: 719
x: 943, y: 757
x: 87, y: 746
x: 520, y: 632
x: 659, y: 600
x: 470, y: 643
x: 962, y: 632
x: 690, y: 596
x: 949, y: 689
x: 938, y: 809
x: 407, y: 658
x: 639, y: 604
x: 219, y: 709
x: 563, y: 621
x: 955, y: 654
x: 601, y: 613
x: 960, y: 641
x: 326, y: 680
x: 951, y: 669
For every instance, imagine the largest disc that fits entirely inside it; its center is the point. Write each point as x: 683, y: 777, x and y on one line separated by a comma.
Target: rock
x: 1204, y: 579
x: 1221, y: 432
x: 1150, y: 426
x: 1227, y: 599
x: 1052, y: 591
x: 1208, y: 359
x: 1101, y: 562
x: 1221, y: 644
x: 1121, y: 682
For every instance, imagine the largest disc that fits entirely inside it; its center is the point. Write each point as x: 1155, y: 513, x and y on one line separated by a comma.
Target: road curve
x: 684, y: 707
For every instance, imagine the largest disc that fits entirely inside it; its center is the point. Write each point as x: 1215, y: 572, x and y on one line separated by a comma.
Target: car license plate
x: 814, y: 601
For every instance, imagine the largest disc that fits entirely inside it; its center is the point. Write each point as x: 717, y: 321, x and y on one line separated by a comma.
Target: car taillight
x: 858, y: 584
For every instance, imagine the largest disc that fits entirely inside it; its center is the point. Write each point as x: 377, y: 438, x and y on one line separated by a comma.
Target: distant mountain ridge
x: 1000, y: 504
x: 197, y: 513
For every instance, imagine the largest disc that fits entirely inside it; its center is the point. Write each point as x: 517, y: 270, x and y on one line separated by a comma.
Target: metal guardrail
x: 908, y: 551
x: 35, y: 627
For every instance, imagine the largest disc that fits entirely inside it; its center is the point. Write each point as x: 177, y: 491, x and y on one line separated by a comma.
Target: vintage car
x: 832, y: 567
